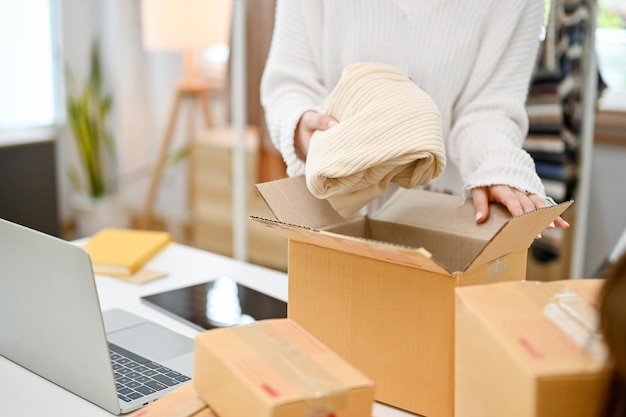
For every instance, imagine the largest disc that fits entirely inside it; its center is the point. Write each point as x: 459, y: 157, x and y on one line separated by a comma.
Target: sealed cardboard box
x: 529, y: 349
x: 274, y: 368
x: 379, y: 289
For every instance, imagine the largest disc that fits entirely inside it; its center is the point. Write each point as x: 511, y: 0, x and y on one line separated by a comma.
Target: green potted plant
x: 88, y: 115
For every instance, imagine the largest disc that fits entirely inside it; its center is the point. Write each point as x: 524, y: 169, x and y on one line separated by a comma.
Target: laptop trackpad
x: 152, y: 341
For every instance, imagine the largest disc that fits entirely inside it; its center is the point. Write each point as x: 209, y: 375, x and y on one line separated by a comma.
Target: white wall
x: 142, y: 85
x: 78, y: 23
x: 607, y: 208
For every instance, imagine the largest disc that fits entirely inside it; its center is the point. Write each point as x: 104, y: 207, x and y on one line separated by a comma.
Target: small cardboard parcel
x: 379, y: 289
x: 529, y: 349
x: 274, y: 368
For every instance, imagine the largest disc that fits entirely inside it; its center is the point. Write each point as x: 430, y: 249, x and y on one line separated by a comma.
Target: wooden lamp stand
x: 196, y: 89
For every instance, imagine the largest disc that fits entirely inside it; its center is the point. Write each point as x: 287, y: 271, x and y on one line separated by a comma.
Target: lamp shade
x: 185, y: 24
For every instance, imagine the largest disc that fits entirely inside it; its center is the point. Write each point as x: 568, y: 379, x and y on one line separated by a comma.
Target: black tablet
x: 222, y: 302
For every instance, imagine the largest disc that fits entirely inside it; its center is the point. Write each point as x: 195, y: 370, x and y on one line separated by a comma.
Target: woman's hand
x: 516, y: 201
x: 307, y: 125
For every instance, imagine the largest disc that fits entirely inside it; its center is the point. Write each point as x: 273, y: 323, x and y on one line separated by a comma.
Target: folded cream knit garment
x: 389, y: 131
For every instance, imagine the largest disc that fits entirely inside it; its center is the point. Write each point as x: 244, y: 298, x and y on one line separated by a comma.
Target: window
x: 611, y: 43
x: 28, y: 97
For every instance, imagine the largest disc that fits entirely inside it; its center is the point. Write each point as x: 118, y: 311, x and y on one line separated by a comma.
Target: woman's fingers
x: 517, y: 203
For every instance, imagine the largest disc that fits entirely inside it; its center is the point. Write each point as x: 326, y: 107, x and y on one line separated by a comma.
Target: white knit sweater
x: 473, y: 57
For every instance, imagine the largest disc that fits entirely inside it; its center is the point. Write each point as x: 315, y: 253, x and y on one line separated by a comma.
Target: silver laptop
x: 51, y: 324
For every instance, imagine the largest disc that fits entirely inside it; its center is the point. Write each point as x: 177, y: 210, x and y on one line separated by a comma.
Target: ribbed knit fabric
x: 473, y: 57
x: 389, y: 131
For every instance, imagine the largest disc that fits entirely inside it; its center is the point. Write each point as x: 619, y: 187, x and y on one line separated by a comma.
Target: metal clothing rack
x: 583, y: 194
x: 562, y: 108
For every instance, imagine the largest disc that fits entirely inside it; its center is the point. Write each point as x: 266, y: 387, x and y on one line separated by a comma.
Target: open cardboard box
x: 529, y: 349
x: 379, y: 289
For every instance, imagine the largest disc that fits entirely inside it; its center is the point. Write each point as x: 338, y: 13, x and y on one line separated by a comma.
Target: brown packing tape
x: 497, y: 267
x: 285, y: 354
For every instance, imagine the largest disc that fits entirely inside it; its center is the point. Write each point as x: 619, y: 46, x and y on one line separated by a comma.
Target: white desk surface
x: 24, y: 394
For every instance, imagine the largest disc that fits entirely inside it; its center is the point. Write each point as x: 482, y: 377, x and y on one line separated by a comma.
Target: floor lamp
x: 187, y: 26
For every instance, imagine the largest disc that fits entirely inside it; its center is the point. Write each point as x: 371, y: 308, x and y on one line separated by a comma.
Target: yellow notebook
x: 122, y: 252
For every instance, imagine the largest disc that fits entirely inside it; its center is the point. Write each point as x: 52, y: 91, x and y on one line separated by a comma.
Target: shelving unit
x: 213, y: 217
x: 575, y: 95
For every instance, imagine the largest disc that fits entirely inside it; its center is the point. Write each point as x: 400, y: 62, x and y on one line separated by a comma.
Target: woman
x: 474, y: 58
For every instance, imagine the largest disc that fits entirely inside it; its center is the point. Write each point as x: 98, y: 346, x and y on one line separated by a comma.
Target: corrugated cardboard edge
x: 519, y: 233
x: 291, y: 202
x: 391, y: 252
x: 301, y: 216
x: 515, y: 235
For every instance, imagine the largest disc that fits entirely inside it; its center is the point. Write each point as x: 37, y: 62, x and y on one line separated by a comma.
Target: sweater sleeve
x: 490, y: 119
x: 291, y: 82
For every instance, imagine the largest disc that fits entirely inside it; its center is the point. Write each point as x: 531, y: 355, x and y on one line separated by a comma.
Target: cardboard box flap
x: 442, y: 223
x: 291, y: 202
x: 396, y: 253
x: 441, y: 212
x: 411, y: 223
x: 519, y: 232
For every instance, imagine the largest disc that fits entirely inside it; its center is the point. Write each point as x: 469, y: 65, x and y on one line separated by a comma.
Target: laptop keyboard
x: 136, y: 376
